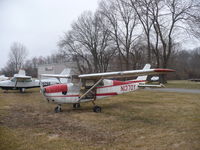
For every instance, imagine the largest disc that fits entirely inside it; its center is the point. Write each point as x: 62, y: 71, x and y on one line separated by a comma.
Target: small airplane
x: 21, y: 82
x: 90, y: 87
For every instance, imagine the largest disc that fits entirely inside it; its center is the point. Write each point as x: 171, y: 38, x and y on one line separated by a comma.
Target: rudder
x: 147, y: 66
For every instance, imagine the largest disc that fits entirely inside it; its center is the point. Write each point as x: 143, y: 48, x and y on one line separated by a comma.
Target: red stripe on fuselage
x: 64, y: 96
x: 106, y: 94
x: 100, y: 94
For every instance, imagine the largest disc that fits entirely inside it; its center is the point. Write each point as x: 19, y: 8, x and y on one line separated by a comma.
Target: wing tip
x: 164, y: 70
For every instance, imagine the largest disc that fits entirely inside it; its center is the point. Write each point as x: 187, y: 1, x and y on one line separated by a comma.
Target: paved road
x: 175, y: 90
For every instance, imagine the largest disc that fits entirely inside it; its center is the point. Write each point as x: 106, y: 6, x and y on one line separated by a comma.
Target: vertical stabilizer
x: 147, y: 66
x: 22, y: 72
x: 66, y: 71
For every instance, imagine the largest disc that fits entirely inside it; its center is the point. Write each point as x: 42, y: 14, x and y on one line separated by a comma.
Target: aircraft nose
x: 56, y: 88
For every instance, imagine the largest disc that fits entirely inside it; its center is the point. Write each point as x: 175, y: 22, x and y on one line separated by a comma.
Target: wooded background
x: 125, y: 35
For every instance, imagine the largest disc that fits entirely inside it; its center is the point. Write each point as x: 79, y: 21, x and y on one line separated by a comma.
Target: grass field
x: 137, y: 120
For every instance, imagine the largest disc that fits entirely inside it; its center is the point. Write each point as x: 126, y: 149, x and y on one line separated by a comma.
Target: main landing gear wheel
x: 77, y: 105
x: 22, y: 90
x: 58, y: 109
x: 97, y: 109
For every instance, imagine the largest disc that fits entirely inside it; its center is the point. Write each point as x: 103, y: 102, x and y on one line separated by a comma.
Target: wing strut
x: 41, y: 86
x: 90, y: 89
x: 15, y: 83
x: 58, y: 80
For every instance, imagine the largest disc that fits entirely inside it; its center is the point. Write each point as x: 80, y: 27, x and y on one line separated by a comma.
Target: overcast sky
x: 37, y: 24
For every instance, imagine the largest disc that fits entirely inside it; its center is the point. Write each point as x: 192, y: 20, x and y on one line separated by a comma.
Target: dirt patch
x: 56, y: 125
x: 53, y: 137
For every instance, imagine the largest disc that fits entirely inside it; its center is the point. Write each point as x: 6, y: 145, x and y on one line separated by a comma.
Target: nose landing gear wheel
x: 77, y: 105
x: 58, y: 109
x: 97, y: 109
x: 22, y: 90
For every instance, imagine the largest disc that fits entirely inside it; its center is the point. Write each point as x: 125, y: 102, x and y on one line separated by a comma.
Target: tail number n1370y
x: 125, y: 88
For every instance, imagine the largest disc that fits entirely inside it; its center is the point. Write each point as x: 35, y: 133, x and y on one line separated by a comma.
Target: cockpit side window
x: 13, y: 79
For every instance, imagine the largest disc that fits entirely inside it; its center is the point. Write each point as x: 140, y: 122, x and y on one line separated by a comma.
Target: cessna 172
x: 21, y: 82
x: 89, y: 87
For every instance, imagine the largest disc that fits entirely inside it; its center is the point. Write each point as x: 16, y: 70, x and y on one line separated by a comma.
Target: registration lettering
x: 126, y: 88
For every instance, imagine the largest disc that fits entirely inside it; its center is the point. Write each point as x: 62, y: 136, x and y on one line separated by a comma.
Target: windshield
x: 13, y: 79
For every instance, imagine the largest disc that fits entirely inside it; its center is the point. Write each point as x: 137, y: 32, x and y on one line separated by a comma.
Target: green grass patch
x: 186, y: 84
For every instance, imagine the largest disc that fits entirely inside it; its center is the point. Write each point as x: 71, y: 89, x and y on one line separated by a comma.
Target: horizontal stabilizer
x: 22, y: 72
x: 151, y: 85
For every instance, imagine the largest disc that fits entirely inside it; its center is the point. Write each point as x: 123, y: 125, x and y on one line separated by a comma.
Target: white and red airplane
x: 90, y: 87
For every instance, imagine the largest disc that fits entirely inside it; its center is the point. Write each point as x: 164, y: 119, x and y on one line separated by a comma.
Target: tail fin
x: 147, y: 66
x: 22, y: 72
x: 66, y: 71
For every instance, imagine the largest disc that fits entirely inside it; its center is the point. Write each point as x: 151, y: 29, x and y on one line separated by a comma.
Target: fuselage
x: 71, y: 93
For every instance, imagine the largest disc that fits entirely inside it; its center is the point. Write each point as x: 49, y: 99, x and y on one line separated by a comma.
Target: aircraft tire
x: 97, y: 109
x: 57, y: 109
x: 76, y: 105
x: 22, y: 90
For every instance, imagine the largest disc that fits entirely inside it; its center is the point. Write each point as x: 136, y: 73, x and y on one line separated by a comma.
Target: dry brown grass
x: 139, y: 120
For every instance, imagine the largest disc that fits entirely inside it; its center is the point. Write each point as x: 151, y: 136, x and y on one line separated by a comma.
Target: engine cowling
x: 56, y: 88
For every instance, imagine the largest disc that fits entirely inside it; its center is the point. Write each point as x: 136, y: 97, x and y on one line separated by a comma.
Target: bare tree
x: 89, y: 43
x: 142, y: 9
x: 123, y: 22
x: 194, y: 20
x: 9, y: 69
x: 17, y: 55
x: 169, y: 17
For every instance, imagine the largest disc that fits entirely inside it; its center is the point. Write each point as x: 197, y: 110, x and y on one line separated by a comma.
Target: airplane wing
x: 20, y: 78
x: 123, y: 74
x: 55, y: 75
